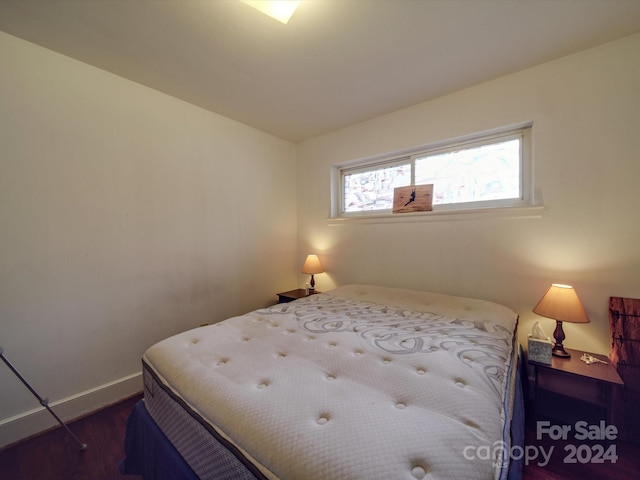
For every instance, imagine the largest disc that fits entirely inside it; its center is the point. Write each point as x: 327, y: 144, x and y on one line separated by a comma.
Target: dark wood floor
x: 55, y: 456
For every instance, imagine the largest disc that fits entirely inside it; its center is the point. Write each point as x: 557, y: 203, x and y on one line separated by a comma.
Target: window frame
x: 522, y: 132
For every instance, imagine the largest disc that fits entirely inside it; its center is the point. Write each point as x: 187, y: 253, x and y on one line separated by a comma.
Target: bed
x: 361, y: 382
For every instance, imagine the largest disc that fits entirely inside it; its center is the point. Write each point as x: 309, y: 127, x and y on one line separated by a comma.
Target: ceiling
x: 336, y: 63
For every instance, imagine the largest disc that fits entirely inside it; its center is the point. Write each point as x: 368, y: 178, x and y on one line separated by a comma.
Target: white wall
x: 586, y: 114
x: 125, y: 216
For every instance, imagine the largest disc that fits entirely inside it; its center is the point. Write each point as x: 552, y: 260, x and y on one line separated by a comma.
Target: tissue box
x: 540, y: 350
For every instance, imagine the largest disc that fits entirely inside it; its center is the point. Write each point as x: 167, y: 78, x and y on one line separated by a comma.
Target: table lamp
x: 561, y: 303
x: 311, y: 266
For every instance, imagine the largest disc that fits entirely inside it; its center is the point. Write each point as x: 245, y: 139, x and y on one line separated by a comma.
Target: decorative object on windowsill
x: 416, y: 198
x: 312, y: 266
x: 43, y: 401
x: 561, y: 303
x: 539, y: 345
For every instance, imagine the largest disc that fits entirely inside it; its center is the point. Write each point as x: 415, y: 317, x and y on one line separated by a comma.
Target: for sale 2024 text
x: 581, y: 431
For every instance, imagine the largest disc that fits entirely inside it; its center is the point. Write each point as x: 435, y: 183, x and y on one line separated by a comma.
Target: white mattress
x: 361, y: 382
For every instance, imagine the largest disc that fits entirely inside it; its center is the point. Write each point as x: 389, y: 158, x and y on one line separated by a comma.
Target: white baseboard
x: 24, y: 425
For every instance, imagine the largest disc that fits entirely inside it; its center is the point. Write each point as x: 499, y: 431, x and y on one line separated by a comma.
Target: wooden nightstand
x: 569, y: 389
x: 291, y: 295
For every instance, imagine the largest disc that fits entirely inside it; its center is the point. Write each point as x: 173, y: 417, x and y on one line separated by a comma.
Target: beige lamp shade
x: 312, y: 265
x: 561, y: 303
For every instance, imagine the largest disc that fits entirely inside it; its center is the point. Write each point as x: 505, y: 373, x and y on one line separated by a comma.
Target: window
x: 482, y: 171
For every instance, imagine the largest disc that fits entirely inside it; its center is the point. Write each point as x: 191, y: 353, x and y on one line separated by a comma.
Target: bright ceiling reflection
x: 281, y: 10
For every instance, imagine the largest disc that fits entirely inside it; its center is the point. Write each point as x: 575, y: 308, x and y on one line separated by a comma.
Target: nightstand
x: 569, y: 389
x: 291, y: 295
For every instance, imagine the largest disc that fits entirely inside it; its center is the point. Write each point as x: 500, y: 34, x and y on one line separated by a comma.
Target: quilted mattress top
x: 361, y: 382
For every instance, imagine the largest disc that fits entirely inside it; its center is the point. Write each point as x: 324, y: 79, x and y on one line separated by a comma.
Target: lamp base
x: 559, y: 351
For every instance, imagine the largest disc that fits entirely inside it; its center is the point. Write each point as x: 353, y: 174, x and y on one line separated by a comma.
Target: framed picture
x: 415, y: 198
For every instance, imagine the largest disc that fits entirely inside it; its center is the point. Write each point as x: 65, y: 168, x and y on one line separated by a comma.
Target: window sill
x: 516, y: 212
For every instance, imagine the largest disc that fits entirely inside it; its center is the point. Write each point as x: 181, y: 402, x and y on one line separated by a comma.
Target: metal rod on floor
x: 43, y: 401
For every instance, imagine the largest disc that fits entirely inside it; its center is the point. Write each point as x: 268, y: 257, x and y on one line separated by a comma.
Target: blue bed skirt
x: 148, y: 451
